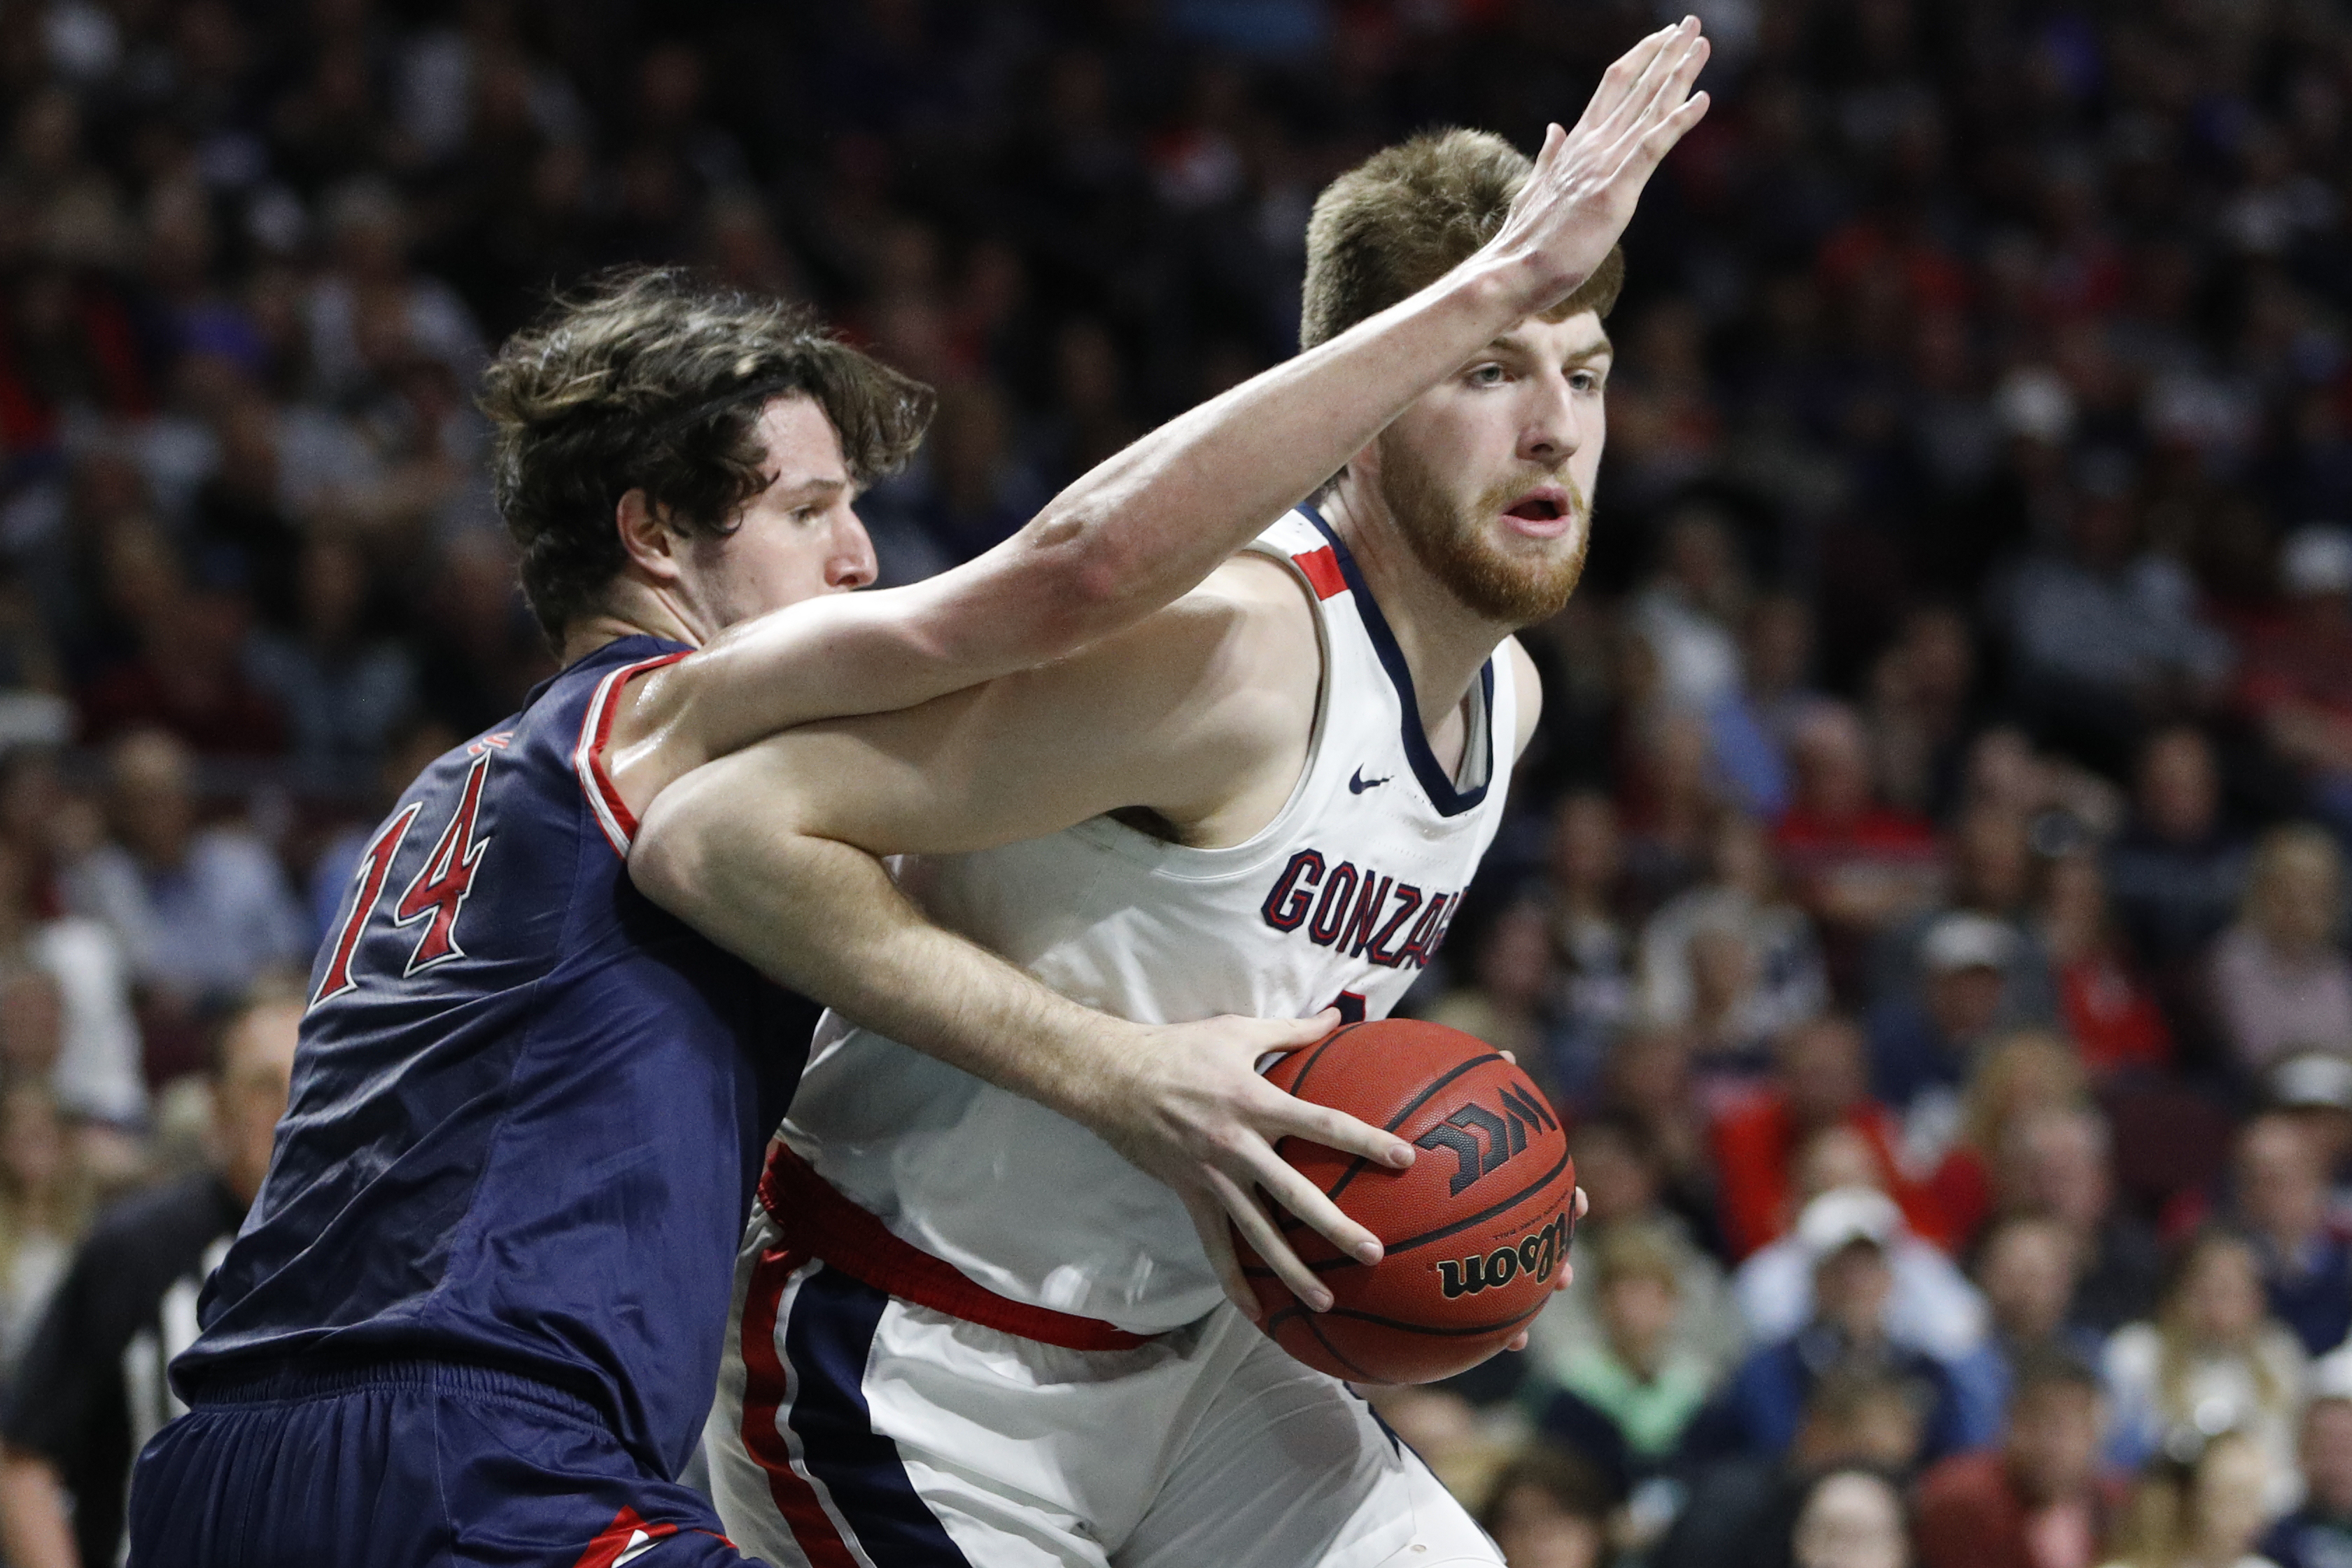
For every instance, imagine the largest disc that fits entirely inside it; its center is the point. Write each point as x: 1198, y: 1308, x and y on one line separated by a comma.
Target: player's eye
x: 1486, y: 375
x: 1584, y: 380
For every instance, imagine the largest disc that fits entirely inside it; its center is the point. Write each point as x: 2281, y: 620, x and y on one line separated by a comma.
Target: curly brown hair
x: 1408, y: 215
x: 651, y: 379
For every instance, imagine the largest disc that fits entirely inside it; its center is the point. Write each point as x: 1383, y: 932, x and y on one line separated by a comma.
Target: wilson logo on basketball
x: 1482, y: 1140
x: 1537, y: 1254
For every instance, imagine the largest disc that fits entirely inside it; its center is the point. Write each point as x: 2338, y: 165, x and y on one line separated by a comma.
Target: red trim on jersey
x: 1322, y: 569
x: 617, y: 1538
x: 765, y: 1386
x: 818, y: 1221
x: 612, y: 813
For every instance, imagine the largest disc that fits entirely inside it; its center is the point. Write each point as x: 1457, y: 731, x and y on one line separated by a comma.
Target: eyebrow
x: 815, y: 484
x: 1590, y: 350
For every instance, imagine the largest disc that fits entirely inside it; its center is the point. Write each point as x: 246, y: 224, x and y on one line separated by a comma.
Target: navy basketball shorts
x: 406, y: 1465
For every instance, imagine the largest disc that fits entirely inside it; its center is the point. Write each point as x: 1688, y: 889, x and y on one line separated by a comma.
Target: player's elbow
x: 1087, y: 583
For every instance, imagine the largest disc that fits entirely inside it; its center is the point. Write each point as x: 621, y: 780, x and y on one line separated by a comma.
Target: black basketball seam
x: 1422, y: 1241
x: 1316, y: 1055
x: 1425, y: 1095
x: 1431, y: 1329
x: 1389, y: 1249
x: 1406, y: 1115
x: 1336, y: 1354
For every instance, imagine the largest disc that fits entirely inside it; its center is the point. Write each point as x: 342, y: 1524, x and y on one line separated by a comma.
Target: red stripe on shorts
x: 764, y: 1397
x: 615, y: 1537
x: 817, y: 1221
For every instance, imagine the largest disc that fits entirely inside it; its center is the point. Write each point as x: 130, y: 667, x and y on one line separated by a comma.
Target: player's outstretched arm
x: 770, y: 853
x: 1144, y: 526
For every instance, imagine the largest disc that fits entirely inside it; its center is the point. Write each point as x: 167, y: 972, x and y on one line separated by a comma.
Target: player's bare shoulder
x: 1245, y: 645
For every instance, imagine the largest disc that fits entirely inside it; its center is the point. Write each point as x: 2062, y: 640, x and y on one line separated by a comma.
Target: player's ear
x: 647, y: 535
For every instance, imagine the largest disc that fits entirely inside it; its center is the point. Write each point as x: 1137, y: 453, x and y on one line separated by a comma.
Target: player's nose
x: 852, y: 563
x: 1552, y: 429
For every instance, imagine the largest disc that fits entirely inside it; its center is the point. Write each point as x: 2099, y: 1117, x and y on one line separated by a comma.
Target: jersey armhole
x: 612, y: 813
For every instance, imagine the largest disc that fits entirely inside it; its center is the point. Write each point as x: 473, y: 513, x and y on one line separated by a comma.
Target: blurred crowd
x: 1926, y: 895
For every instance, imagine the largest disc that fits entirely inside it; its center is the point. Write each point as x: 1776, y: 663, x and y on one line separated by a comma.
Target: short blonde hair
x: 1409, y: 215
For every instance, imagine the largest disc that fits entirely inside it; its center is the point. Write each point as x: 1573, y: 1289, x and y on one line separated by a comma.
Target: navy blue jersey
x: 528, y: 1106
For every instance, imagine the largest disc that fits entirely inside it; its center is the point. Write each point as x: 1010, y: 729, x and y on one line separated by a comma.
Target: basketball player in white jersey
x: 966, y: 1330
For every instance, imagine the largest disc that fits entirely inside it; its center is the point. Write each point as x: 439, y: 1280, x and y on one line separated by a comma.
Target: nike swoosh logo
x: 1358, y: 783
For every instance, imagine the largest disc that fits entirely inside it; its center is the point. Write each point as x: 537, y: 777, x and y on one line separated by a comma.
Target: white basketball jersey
x: 1341, y: 899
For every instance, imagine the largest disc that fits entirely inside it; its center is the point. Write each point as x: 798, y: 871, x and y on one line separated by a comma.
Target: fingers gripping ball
x: 1476, y: 1232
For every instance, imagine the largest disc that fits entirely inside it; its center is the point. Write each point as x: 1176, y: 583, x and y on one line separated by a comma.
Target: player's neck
x: 1445, y: 643
x: 630, y: 609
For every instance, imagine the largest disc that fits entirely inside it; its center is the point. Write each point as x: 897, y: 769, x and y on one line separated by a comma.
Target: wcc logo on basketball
x: 1483, y: 1141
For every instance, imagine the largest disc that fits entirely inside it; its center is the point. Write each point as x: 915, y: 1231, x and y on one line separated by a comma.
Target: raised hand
x: 1190, y: 1109
x: 1586, y: 182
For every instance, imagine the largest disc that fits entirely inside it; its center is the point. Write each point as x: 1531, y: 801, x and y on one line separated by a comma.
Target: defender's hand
x: 1186, y: 1104
x: 1582, y: 191
x: 1577, y: 1206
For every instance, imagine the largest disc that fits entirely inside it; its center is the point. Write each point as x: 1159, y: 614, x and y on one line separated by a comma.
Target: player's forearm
x: 1145, y: 524
x: 825, y: 919
x: 33, y: 1529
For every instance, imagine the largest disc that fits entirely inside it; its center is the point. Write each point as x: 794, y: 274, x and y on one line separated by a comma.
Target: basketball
x: 1476, y: 1231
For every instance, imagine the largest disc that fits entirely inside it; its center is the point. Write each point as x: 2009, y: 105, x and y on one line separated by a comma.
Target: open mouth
x: 1538, y: 507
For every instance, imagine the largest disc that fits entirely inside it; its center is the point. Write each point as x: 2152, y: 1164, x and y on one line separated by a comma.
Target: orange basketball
x: 1476, y: 1231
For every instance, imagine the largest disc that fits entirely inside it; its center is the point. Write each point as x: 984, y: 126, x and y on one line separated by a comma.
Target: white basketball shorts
x: 856, y: 1429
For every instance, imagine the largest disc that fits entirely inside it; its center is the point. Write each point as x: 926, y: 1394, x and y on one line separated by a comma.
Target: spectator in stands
x: 1851, y: 1519
x: 1819, y: 1082
x: 2026, y: 1269
x: 1741, y: 1509
x: 1777, y: 657
x: 2206, y: 1513
x: 1931, y: 1304
x: 2105, y: 1009
x: 1507, y: 1003
x: 2213, y: 1360
x: 95, y: 1070
x: 1650, y: 1084
x: 1671, y: 799
x: 1624, y: 1401
x: 2104, y: 635
x: 1622, y: 1181
x: 2282, y: 1205
x: 2279, y: 979
x: 1855, y: 865
x: 1921, y: 709
x: 2296, y: 682
x: 1740, y: 909
x: 2313, y: 1088
x: 202, y: 911
x: 45, y: 1198
x: 343, y: 689
x: 2040, y: 1499
x: 1549, y: 1510
x: 2056, y: 1163
x: 2013, y: 1080
x: 1921, y: 1051
x: 184, y: 672
x: 1992, y: 878
x: 1593, y: 950
x: 2318, y: 1535
x: 92, y: 1391
x: 2176, y: 872
x: 1758, y: 1410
